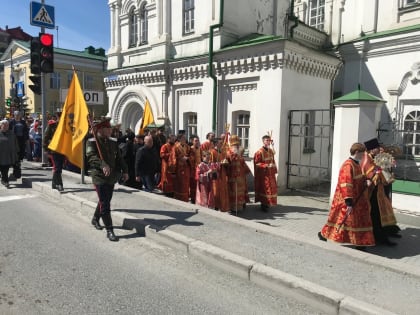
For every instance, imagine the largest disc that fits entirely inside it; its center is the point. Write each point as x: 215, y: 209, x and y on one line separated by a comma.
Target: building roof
x: 357, y: 95
x: 397, y: 31
x: 97, y: 54
x: 252, y: 39
x: 16, y: 33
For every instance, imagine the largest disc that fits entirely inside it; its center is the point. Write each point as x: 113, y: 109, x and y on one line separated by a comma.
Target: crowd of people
x: 212, y: 174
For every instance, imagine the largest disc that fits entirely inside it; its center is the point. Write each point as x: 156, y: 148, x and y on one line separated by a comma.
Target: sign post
x: 42, y: 15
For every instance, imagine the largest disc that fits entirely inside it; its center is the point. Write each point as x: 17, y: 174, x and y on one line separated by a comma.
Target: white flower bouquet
x: 386, y: 162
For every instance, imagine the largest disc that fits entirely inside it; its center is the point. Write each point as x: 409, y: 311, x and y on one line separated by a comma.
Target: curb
x: 321, y: 298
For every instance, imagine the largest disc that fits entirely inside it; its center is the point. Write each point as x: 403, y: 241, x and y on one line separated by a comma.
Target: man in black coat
x: 147, y: 164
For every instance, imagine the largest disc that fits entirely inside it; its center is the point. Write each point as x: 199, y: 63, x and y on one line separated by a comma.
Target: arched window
x: 143, y: 24
x: 133, y: 28
x: 412, y: 132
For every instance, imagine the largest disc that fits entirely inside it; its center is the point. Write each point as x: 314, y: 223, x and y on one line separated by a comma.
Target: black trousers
x: 4, y: 169
x: 103, y: 208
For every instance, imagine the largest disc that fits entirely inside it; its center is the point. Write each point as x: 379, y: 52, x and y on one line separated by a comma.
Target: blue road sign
x: 42, y: 15
x: 19, y: 89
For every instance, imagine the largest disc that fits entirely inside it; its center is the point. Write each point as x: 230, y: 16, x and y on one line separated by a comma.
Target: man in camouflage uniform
x: 105, y: 166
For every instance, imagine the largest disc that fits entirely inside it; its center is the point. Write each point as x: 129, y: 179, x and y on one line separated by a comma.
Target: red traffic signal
x: 46, y: 52
x: 46, y: 39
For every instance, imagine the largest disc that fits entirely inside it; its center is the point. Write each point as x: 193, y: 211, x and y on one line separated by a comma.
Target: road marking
x: 9, y: 198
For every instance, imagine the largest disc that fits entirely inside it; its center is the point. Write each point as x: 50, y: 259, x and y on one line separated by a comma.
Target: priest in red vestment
x: 349, y: 218
x: 265, y: 171
x: 167, y: 173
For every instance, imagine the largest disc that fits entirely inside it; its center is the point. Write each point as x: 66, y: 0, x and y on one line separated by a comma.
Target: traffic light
x: 8, y: 102
x: 36, y: 86
x: 35, y: 55
x: 46, y: 52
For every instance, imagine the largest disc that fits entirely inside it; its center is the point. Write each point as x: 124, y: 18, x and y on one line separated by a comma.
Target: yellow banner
x: 147, y: 117
x: 73, y: 125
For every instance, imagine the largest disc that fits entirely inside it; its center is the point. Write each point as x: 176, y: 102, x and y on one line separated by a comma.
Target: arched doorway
x: 131, y: 116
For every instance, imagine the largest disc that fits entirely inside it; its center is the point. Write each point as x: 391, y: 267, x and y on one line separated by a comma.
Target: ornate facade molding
x: 243, y: 87
x: 135, y: 78
x: 190, y: 72
x: 190, y: 92
x: 302, y: 62
x: 118, y: 109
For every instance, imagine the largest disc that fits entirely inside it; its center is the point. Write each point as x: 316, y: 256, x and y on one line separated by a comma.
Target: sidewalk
x: 278, y: 249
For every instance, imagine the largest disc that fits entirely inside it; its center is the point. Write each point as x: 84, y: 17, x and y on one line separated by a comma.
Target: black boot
x: 59, y: 182
x: 96, y: 224
x: 111, y: 236
x: 95, y: 219
x: 54, y: 181
x: 108, y: 225
x: 321, y: 237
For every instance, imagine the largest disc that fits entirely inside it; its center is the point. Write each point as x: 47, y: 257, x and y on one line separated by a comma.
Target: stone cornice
x: 383, y: 46
x: 135, y: 78
x: 196, y: 91
x: 294, y: 57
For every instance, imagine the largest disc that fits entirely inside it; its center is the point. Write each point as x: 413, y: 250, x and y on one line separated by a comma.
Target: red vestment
x: 373, y: 173
x: 265, y: 171
x: 203, y: 175
x: 180, y: 158
x: 166, y: 183
x: 357, y: 228
x: 237, y: 169
x: 195, y: 160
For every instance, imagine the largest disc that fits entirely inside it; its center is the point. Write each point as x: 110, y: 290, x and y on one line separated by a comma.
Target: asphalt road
x: 53, y: 262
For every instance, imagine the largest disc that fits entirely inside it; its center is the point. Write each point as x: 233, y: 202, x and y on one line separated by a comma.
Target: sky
x: 81, y: 23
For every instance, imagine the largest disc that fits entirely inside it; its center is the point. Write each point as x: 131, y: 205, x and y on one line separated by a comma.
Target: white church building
x: 270, y: 66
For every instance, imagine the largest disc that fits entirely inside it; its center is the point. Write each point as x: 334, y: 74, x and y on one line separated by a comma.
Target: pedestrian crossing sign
x: 42, y: 15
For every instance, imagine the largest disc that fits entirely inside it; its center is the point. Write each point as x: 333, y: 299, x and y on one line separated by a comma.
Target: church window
x: 133, y: 30
x: 317, y: 14
x: 190, y: 123
x: 412, y: 133
x: 143, y: 25
x: 188, y: 16
x: 241, y: 128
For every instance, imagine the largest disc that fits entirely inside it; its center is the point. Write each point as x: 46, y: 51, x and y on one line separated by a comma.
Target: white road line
x: 9, y: 198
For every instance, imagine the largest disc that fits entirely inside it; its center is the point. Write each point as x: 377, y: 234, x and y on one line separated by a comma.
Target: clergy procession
x: 213, y: 173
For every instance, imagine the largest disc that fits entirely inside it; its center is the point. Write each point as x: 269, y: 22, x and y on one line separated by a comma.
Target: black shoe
x: 95, y: 223
x: 60, y: 187
x: 321, y: 238
x: 395, y: 235
x: 111, y: 236
x: 387, y: 242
